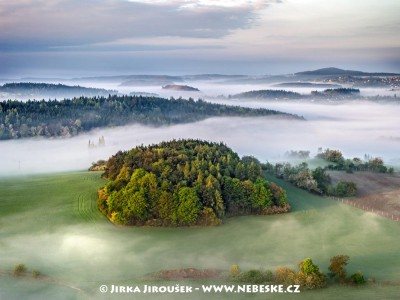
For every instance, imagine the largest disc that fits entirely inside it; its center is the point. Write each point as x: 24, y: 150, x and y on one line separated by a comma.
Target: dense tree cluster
x: 268, y: 94
x: 300, y: 175
x: 185, y: 182
x: 331, y: 155
x: 338, y: 271
x: 326, y: 96
x: 308, y: 275
x: 342, y: 91
x: 177, y: 87
x: 315, y: 181
x: 70, y: 117
x: 318, y: 180
x: 300, y: 154
x: 374, y: 164
x: 339, y: 92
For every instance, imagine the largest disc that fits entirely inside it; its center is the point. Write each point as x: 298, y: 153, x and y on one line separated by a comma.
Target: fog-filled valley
x: 356, y: 129
x: 49, y: 219
x: 355, y: 126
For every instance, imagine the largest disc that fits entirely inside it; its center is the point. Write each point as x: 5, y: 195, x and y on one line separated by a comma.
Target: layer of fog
x: 214, y: 88
x: 356, y: 129
x: 94, y: 254
x: 77, y: 251
x: 208, y: 88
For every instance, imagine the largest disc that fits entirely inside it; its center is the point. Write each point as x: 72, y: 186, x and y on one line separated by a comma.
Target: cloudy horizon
x: 110, y: 37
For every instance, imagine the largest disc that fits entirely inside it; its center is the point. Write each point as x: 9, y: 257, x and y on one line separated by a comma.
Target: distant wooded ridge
x: 178, y: 87
x: 168, y: 79
x: 42, y: 90
x: 307, y: 85
x: 336, y: 71
x: 72, y: 116
x: 282, y: 94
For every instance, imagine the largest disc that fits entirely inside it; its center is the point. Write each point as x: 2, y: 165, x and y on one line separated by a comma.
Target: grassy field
x: 51, y: 224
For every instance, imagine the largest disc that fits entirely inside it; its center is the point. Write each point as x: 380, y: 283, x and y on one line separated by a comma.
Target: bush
x: 20, y: 270
x: 308, y: 267
x: 334, y: 156
x: 269, y: 276
x: 310, y: 281
x: 337, y: 267
x: 36, y: 274
x: 309, y: 276
x: 252, y: 276
x: 345, y: 189
x: 234, y: 271
x: 284, y: 275
x: 357, y: 278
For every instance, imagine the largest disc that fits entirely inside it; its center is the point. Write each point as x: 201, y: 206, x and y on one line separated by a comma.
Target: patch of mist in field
x: 81, y: 255
x: 79, y: 250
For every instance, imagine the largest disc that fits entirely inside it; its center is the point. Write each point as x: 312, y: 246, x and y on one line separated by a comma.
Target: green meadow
x: 51, y: 224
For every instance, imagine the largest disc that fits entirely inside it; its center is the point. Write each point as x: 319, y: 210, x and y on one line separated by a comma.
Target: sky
x: 255, y: 37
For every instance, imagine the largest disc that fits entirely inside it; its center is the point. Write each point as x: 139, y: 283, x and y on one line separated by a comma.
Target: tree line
x: 32, y: 90
x: 335, y: 94
x: 185, y: 182
x: 338, y: 162
x: 268, y: 94
x: 308, y: 275
x: 318, y: 180
x: 70, y: 117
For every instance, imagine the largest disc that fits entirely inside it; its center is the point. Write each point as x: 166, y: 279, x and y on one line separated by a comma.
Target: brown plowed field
x: 376, y: 192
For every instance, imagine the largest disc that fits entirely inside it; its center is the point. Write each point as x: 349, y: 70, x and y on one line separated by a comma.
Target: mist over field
x: 48, y: 223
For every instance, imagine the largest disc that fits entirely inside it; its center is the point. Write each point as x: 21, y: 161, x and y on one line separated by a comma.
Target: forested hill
x: 337, y: 94
x: 340, y: 72
x: 70, y: 117
x: 185, y: 182
x: 30, y: 90
x: 268, y: 94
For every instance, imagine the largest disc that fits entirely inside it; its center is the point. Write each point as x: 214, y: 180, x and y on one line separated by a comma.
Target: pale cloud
x: 190, y: 4
x: 199, y: 32
x: 155, y: 44
x: 341, y: 23
x: 322, y: 31
x: 41, y: 24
